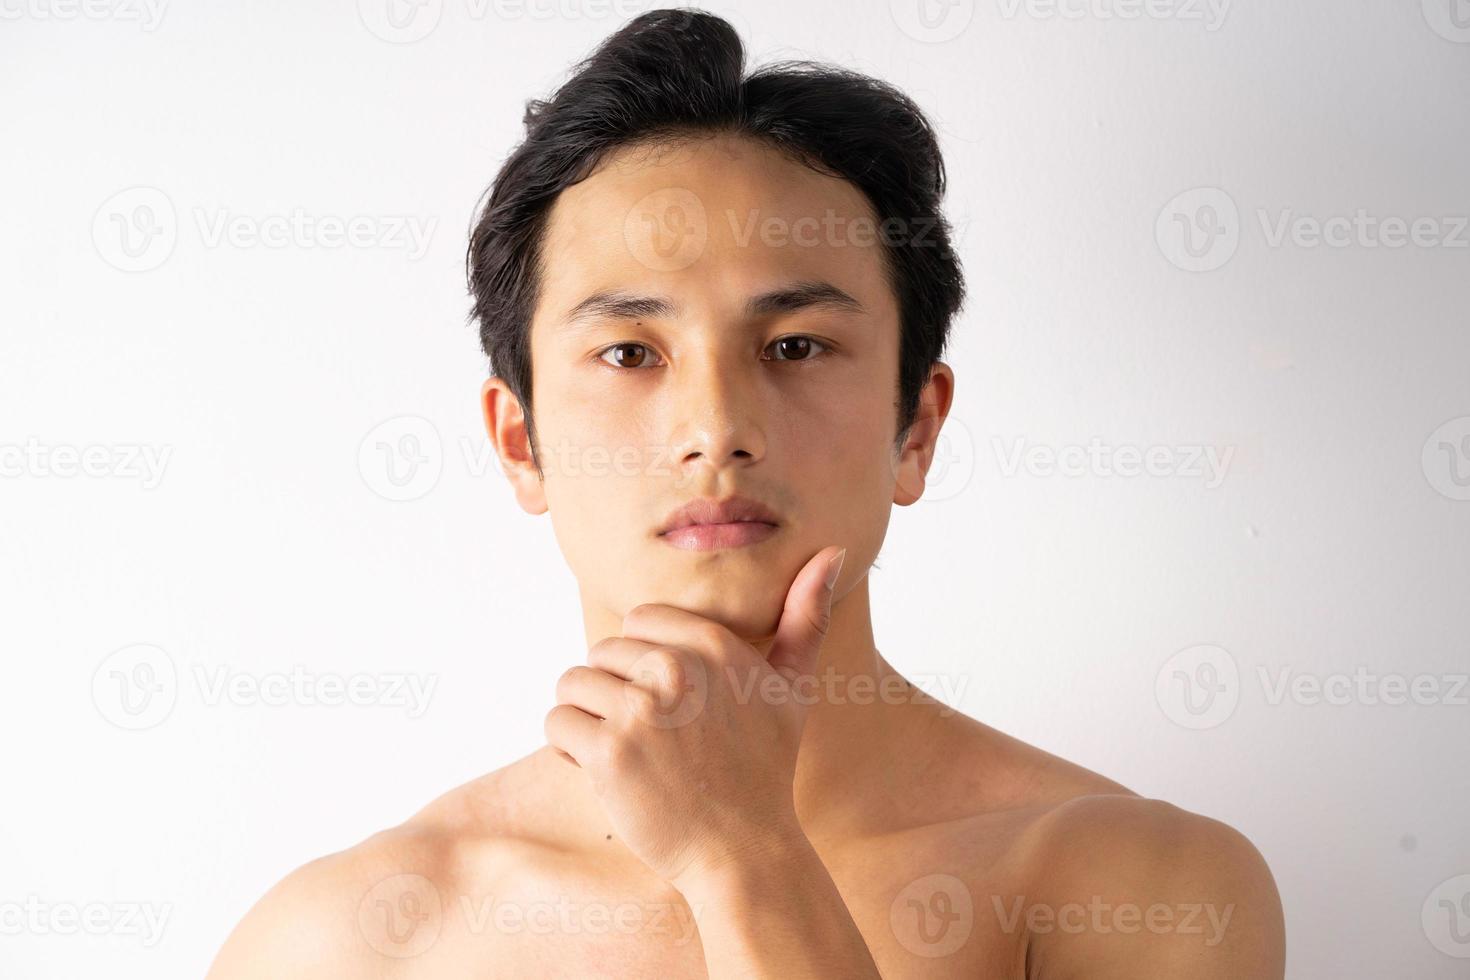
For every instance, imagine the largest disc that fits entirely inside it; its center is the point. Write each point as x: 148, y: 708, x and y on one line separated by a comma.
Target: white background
x: 1338, y: 540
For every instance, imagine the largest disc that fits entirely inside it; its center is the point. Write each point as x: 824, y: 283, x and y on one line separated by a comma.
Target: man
x: 732, y: 294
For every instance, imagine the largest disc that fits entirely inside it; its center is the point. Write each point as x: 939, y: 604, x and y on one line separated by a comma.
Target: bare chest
x: 934, y: 905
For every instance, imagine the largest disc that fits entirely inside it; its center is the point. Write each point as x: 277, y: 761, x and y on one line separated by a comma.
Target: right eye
x: 626, y: 355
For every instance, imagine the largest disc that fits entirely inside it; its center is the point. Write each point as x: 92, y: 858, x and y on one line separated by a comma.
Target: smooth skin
x: 736, y: 783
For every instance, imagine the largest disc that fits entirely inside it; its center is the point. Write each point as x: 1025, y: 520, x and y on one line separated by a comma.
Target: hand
x: 689, y: 735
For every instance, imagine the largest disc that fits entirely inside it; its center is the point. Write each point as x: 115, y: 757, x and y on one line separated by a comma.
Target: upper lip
x: 730, y: 510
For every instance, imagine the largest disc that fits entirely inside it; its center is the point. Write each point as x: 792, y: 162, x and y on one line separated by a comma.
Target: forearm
x: 777, y: 915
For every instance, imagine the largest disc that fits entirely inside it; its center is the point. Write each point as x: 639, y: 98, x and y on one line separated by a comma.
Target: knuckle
x: 639, y: 611
x: 641, y: 701
x: 567, y: 678
x: 711, y: 637
x: 663, y: 658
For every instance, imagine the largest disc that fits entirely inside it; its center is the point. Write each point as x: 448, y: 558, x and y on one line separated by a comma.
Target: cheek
x: 845, y: 439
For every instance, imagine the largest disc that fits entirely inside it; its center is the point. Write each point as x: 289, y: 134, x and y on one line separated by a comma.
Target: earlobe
x: 505, y: 424
x: 912, y: 464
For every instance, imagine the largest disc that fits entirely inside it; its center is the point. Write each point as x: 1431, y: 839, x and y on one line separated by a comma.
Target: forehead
x: 716, y: 218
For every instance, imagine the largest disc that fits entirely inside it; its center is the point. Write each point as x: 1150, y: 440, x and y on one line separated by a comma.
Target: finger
x: 806, y: 615
x: 664, y: 625
x: 571, y: 731
x: 594, y: 691
x: 618, y: 654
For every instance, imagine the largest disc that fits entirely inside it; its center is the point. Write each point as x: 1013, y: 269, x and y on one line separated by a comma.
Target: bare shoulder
x: 1089, y: 878
x: 1123, y: 886
x: 374, y: 909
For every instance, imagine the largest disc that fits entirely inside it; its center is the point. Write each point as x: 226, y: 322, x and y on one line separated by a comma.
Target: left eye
x: 796, y: 348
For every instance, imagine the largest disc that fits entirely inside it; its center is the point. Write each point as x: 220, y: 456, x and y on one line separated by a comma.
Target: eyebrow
x: 617, y: 304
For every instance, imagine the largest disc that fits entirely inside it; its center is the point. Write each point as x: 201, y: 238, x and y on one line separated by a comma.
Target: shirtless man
x: 736, y: 782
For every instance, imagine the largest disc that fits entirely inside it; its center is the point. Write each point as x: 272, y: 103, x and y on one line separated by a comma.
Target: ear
x: 912, y: 463
x: 505, y: 424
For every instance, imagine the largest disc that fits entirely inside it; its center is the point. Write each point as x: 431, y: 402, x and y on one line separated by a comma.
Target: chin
x: 746, y: 604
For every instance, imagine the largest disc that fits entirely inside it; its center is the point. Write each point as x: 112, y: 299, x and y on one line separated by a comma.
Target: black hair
x: 668, y: 75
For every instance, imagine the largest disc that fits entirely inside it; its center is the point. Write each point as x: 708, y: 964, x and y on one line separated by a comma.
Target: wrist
x: 776, y: 850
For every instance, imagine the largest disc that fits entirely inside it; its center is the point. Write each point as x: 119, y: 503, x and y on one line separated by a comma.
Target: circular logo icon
x: 951, y: 468
x: 1446, y: 458
x: 932, y: 21
x: 401, y: 459
x: 400, y: 21
x: 1199, y: 230
x: 667, y: 230
x: 135, y: 230
x: 682, y: 689
x: 1450, y: 19
x: 136, y: 687
x: 1198, y: 687
x: 1446, y: 917
x: 933, y: 915
x: 401, y: 916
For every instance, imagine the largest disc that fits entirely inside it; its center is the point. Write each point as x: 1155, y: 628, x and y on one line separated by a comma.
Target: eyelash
x: 601, y: 354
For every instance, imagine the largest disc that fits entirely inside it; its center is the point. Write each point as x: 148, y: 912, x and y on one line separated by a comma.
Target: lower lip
x: 706, y: 537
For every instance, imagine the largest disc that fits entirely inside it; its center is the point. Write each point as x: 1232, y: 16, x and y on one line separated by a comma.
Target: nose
x: 719, y: 411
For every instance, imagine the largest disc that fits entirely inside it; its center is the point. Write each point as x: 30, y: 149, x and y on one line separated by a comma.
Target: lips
x: 731, y: 510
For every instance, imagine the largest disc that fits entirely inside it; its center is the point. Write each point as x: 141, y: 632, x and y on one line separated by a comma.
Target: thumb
x: 806, y: 615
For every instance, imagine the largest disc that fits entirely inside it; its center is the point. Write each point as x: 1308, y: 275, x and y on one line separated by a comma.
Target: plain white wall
x: 194, y: 488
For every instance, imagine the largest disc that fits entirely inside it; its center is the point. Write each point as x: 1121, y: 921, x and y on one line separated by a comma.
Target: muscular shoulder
x: 322, y: 918
x: 376, y: 908
x: 1123, y: 886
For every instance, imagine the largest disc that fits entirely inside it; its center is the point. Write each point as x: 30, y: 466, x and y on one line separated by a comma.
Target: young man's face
x: 639, y: 412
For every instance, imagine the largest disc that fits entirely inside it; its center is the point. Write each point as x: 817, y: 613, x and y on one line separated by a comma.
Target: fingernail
x: 834, y: 567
